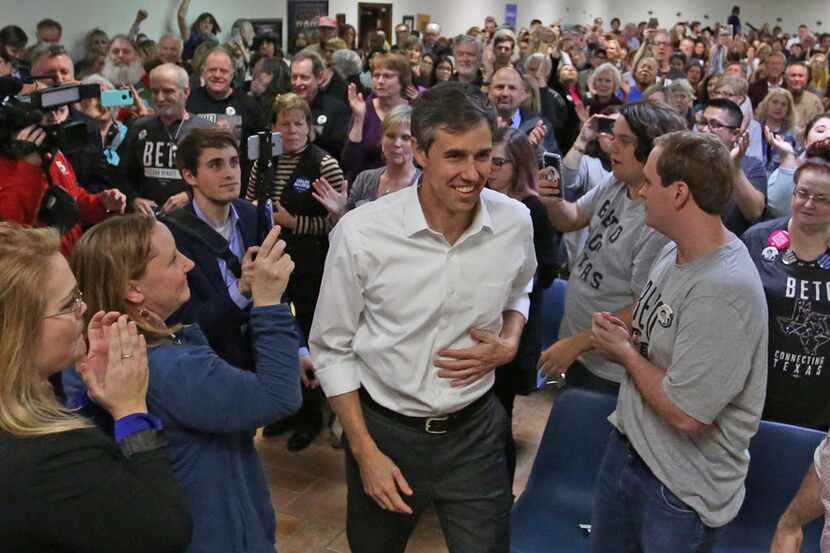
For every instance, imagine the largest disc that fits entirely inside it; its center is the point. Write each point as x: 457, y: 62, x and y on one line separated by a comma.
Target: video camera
x: 18, y: 112
x: 58, y: 208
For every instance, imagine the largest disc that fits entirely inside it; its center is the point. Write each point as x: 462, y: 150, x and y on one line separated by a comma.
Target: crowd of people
x: 253, y: 233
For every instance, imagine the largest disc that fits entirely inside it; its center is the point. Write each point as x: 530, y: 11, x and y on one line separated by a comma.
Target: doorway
x: 373, y: 17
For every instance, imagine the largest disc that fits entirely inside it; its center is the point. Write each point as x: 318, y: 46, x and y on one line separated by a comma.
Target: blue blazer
x: 210, y: 306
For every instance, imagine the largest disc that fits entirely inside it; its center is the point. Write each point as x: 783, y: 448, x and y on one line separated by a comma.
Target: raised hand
x: 331, y: 199
x: 122, y: 389
x: 98, y: 333
x: 537, y: 135
x: 356, y: 102
x: 272, y: 269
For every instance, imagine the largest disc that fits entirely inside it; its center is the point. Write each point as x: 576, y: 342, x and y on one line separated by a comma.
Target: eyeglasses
x: 76, y: 308
x: 802, y: 196
x: 713, y: 125
x: 499, y: 161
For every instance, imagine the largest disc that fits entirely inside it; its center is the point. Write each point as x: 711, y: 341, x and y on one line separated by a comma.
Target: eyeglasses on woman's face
x: 75, y: 306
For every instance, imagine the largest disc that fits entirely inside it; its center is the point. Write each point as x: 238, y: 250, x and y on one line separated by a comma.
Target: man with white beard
x: 467, y: 53
x: 123, y: 66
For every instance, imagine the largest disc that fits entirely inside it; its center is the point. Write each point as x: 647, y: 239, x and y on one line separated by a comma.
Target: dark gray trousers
x: 463, y: 473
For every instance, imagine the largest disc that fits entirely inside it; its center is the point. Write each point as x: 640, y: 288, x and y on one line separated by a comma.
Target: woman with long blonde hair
x: 777, y: 113
x: 64, y: 481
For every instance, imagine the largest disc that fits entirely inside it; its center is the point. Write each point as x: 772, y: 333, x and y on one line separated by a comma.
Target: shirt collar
x: 516, y: 120
x: 233, y: 216
x: 414, y: 220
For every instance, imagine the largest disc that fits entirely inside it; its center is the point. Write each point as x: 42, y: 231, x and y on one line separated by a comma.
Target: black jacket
x: 75, y: 492
x: 330, y: 119
x: 210, y: 306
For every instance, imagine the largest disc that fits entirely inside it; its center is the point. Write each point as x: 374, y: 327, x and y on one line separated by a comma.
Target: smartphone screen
x: 605, y: 125
x: 552, y: 163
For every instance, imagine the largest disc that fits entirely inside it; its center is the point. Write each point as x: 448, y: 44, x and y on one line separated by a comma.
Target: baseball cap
x: 327, y: 22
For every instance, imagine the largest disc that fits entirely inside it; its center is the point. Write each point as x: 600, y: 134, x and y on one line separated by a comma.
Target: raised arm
x: 181, y: 18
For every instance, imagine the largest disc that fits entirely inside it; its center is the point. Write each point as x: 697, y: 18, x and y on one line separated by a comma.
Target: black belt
x: 430, y: 425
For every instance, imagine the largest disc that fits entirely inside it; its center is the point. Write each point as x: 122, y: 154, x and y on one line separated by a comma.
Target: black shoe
x: 300, y: 440
x: 276, y: 428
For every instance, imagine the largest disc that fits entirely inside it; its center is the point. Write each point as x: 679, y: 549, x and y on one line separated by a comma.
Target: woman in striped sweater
x: 305, y: 227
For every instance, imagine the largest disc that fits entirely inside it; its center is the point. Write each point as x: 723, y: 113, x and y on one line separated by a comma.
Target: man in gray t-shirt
x: 695, y: 362
x: 612, y: 267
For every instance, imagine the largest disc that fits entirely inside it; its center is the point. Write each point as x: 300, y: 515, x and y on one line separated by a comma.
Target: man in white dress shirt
x: 425, y: 292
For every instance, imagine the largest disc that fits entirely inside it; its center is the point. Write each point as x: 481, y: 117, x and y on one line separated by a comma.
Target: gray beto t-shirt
x: 705, y: 323
x: 613, y: 265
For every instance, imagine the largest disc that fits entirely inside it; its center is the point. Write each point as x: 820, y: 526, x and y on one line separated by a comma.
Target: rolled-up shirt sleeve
x: 519, y: 299
x: 336, y: 318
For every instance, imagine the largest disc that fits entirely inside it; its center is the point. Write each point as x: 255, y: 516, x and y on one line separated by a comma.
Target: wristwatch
x: 140, y: 442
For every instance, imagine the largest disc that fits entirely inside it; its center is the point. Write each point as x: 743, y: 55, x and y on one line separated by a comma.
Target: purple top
x: 359, y: 156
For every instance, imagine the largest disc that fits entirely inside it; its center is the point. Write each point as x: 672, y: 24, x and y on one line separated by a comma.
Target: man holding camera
x: 152, y: 181
x: 28, y: 197
x: 216, y: 219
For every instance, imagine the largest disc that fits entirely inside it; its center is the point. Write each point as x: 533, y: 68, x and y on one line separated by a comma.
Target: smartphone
x: 605, y: 125
x: 553, y: 164
x: 254, y: 145
x: 116, y: 98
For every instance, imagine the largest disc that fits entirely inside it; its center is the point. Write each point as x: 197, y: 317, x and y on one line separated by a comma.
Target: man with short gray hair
x: 432, y: 32
x: 695, y: 359
x: 170, y: 48
x: 153, y: 183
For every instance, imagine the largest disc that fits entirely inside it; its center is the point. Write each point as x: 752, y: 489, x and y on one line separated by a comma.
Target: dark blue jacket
x: 210, y: 411
x: 210, y: 306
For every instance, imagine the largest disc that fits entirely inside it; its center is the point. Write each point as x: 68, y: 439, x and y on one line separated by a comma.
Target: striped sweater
x: 286, y: 164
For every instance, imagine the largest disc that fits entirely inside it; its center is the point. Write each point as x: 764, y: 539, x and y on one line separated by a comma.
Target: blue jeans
x: 635, y: 513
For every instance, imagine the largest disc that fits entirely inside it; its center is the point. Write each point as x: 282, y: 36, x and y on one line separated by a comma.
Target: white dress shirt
x: 395, y: 293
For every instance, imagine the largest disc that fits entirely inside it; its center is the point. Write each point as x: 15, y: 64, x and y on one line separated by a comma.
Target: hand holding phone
x: 605, y: 125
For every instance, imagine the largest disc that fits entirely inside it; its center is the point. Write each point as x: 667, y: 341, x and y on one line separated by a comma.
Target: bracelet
x: 140, y: 442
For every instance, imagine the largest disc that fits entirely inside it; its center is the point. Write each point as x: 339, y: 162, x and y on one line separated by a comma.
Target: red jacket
x: 22, y: 186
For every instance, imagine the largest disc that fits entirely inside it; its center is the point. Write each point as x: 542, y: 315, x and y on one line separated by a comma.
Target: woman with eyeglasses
x: 65, y: 485
x: 514, y: 173
x: 780, y: 185
x: 792, y: 255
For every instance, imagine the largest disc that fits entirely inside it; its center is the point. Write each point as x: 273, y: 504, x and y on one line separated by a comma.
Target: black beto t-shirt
x: 239, y: 113
x: 798, y: 302
x: 149, y: 160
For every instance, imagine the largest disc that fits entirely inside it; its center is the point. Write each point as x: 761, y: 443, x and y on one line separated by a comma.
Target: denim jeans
x: 635, y: 513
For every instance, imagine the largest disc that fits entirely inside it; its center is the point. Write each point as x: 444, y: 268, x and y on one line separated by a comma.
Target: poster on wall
x: 268, y: 27
x: 303, y: 16
x: 511, y: 14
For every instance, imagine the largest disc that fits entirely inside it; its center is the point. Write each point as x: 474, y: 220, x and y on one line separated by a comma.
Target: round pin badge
x: 230, y: 110
x: 789, y: 257
x: 770, y: 253
x: 321, y: 119
x: 665, y: 316
x: 142, y: 134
